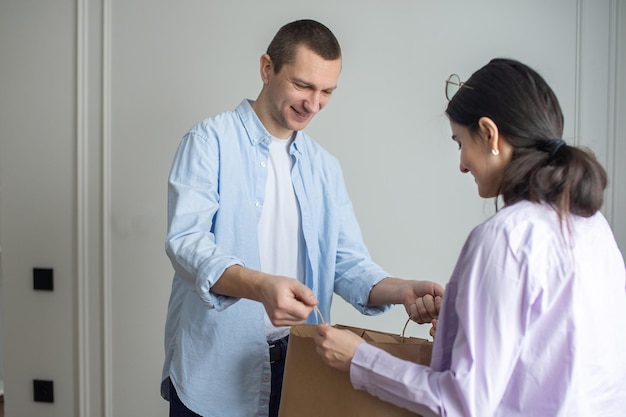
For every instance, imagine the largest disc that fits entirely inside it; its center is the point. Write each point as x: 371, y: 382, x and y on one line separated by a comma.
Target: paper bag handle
x: 404, y: 328
x: 319, y: 314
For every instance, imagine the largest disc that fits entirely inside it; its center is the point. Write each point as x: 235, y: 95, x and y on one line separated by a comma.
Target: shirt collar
x: 257, y: 133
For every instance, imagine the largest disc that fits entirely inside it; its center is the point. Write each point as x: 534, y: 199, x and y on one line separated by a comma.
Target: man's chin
x: 298, y: 126
x: 298, y: 121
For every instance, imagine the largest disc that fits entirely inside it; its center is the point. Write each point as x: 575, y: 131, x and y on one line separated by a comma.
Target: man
x: 260, y: 231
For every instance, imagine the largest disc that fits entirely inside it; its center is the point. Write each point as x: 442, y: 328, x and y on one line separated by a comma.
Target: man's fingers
x: 304, y: 294
x: 425, y: 309
x: 429, y: 306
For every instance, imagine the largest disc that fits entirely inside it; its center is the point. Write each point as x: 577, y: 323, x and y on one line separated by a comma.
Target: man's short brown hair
x: 314, y: 35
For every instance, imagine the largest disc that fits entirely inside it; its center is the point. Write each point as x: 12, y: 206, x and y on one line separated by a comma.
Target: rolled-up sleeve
x: 193, y: 201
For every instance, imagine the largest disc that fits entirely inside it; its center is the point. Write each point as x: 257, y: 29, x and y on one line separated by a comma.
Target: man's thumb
x: 306, y: 296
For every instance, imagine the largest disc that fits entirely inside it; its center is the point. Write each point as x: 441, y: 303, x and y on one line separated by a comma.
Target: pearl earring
x: 495, y: 152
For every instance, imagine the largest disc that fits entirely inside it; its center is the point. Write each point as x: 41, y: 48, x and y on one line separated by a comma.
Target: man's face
x: 298, y: 92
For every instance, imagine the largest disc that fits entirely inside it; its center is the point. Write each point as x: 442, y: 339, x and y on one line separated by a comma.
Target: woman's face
x: 479, y: 159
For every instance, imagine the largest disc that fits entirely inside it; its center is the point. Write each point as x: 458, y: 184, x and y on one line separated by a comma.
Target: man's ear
x: 490, y: 133
x: 266, y: 67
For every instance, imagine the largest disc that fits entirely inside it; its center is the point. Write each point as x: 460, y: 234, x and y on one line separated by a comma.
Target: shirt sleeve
x: 356, y: 272
x: 403, y: 383
x: 489, y: 304
x: 193, y: 200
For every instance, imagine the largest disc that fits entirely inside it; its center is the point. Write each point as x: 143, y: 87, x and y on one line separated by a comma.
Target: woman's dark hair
x: 314, y: 35
x: 543, y: 168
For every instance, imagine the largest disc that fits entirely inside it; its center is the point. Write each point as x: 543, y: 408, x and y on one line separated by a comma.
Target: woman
x: 533, y: 321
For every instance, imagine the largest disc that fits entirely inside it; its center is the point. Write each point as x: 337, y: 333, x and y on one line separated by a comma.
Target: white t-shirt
x: 280, y: 232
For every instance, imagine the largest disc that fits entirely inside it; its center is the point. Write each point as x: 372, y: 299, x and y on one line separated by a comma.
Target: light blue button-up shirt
x: 216, y: 353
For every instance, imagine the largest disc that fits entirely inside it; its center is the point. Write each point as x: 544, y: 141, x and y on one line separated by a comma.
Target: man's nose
x: 313, y: 103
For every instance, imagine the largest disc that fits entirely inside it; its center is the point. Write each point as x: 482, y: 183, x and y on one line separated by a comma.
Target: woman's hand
x: 336, y: 347
x: 433, y: 329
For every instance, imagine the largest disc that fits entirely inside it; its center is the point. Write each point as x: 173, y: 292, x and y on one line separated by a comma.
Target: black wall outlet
x: 43, y: 391
x: 43, y: 279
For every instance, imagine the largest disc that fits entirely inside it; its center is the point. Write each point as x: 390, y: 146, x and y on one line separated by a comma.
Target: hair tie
x: 557, y: 144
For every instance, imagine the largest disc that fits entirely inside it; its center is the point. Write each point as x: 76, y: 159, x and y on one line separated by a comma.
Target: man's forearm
x: 240, y: 282
x: 388, y: 291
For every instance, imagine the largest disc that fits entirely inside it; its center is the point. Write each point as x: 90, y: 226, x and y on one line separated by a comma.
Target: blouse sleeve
x: 487, y: 313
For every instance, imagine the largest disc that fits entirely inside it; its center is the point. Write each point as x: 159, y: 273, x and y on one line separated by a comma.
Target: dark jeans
x: 178, y: 409
x: 278, y: 369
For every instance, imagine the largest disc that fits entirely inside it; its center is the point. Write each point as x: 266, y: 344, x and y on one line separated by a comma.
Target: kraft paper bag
x: 313, y: 389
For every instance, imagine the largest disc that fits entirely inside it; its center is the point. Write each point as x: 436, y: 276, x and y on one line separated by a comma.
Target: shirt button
x: 257, y: 204
x: 263, y: 164
x: 266, y: 378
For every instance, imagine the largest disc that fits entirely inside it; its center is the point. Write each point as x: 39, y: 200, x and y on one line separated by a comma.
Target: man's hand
x: 287, y: 301
x: 421, y: 299
x: 424, y: 309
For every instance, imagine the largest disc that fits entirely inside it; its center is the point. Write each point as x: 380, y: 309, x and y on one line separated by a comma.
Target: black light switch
x: 43, y: 279
x: 43, y: 391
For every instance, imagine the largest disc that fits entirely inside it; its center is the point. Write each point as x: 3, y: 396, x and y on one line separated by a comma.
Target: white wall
x: 37, y: 208
x: 96, y: 94
x: 1, y: 332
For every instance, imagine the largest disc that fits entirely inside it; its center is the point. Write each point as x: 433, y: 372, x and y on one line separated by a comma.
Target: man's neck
x: 267, y: 121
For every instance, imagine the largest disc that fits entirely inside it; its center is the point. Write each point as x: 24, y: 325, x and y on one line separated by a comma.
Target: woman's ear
x: 490, y: 133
